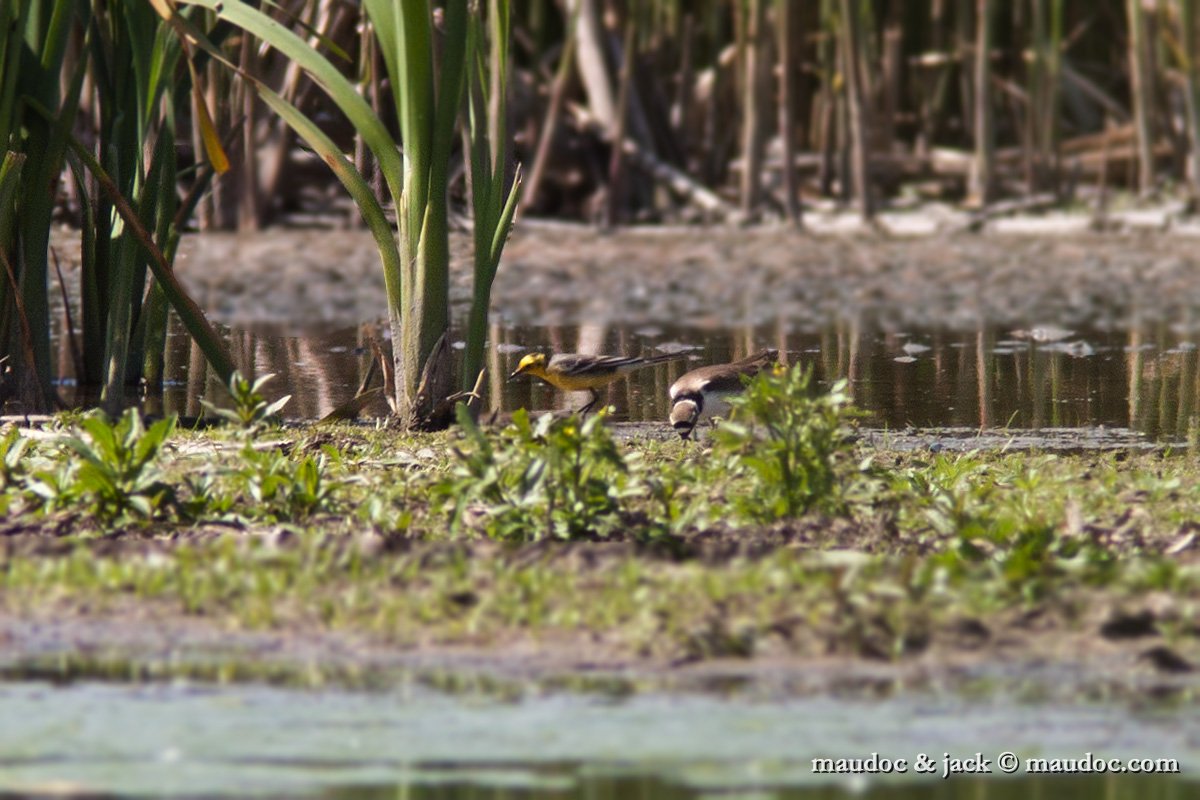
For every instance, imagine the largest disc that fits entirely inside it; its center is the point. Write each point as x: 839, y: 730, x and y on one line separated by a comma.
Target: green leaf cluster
x: 282, y: 488
x: 560, y: 478
x: 118, y: 476
x: 125, y: 171
x: 790, y: 440
x: 110, y: 474
x: 250, y: 411
x: 1003, y: 515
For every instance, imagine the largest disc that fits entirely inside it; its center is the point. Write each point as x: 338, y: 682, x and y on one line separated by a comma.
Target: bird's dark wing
x: 725, y: 380
x: 578, y: 364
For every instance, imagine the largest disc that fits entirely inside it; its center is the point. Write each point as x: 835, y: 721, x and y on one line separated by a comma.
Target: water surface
x: 247, y: 740
x: 1145, y: 380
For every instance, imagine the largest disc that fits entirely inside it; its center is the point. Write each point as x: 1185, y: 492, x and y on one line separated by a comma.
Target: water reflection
x: 1143, y: 379
x: 1146, y: 378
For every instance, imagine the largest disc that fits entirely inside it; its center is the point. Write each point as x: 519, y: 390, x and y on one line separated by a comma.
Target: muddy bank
x: 1079, y: 642
x: 961, y: 439
x: 1079, y: 560
x: 1023, y: 655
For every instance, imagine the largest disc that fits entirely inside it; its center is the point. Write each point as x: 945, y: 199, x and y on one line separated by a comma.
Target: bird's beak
x: 516, y: 374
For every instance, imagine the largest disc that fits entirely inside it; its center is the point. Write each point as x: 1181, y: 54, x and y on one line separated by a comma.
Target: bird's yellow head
x: 532, y: 364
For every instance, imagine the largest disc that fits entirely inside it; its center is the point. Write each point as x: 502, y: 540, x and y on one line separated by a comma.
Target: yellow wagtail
x: 701, y: 393
x: 575, y: 372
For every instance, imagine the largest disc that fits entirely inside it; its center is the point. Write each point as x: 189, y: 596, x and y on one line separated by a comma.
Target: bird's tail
x: 762, y: 357
x: 663, y: 358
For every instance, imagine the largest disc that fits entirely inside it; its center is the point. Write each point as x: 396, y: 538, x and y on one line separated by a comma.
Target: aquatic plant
x: 124, y: 178
x: 428, y: 79
x: 33, y: 147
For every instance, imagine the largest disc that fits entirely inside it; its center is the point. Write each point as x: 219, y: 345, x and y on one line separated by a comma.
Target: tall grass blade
x: 1191, y: 77
x: 979, y: 190
x: 36, y: 35
x: 189, y: 313
x: 493, y: 208
x: 1140, y: 89
x: 857, y: 104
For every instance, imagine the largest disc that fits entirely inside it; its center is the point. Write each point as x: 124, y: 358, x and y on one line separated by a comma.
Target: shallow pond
x: 971, y: 331
x: 187, y: 739
x: 1145, y: 380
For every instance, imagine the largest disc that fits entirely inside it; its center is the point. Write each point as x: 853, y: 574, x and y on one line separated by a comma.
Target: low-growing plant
x: 118, y: 475
x: 789, y: 440
x: 12, y: 467
x: 949, y: 495
x: 677, y: 503
x: 250, y: 409
x: 1003, y: 516
x: 553, y: 477
x: 51, y: 484
x: 207, y: 496
x: 385, y: 514
x: 310, y: 491
x: 12, y: 450
x: 285, y: 489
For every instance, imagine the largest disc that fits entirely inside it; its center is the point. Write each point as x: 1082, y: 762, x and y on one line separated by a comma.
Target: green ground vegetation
x: 778, y: 533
